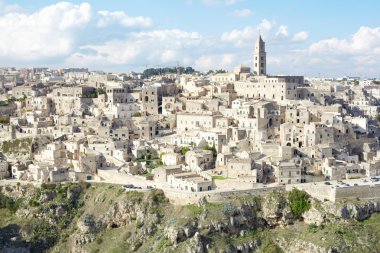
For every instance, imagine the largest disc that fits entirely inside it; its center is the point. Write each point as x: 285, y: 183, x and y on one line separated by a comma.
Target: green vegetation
x: 299, y: 202
x: 216, y: 71
x: 12, y: 99
x: 268, y: 246
x: 133, y: 221
x: 4, y: 120
x: 42, y: 230
x: 4, y: 103
x: 377, y: 118
x: 151, y: 159
x: 95, y: 93
x: 219, y: 177
x: 229, y: 209
x: 148, y: 175
x: 16, y: 146
x: 213, y: 149
x: 9, y: 203
x: 100, y: 91
x: 167, y: 70
x: 184, y: 150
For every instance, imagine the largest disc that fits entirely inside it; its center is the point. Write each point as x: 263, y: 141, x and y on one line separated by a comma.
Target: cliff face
x: 105, y: 218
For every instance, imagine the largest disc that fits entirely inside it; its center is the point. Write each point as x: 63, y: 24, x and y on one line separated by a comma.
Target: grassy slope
x: 350, y: 236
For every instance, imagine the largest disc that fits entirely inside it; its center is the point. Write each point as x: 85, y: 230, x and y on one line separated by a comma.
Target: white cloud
x: 46, y: 33
x: 141, y: 48
x: 207, y: 62
x: 265, y: 25
x: 246, y: 36
x: 282, y: 31
x: 232, y: 2
x: 365, y: 41
x: 301, y: 36
x: 107, y: 18
x: 169, y: 56
x: 358, y: 54
x: 166, y: 35
x: 218, y: 2
x: 275, y: 60
x: 6, y: 8
x: 242, y: 13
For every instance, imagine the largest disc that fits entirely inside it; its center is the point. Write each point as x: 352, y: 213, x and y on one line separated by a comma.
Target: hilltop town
x: 192, y: 134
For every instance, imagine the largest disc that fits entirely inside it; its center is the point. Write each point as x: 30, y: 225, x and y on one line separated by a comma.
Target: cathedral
x: 263, y: 86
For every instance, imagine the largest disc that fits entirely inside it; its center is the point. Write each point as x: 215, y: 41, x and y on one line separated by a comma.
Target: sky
x: 311, y: 38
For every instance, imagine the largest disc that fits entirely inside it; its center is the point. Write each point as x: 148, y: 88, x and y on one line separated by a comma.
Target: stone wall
x: 184, y: 198
x: 230, y: 184
x: 333, y: 193
x: 318, y: 191
x: 360, y: 191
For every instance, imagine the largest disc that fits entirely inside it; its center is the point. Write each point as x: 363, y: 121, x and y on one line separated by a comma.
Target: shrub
x: 312, y: 228
x: 139, y: 224
x: 299, y: 202
x: 42, y: 230
x: 184, y: 150
x: 33, y: 203
x: 157, y: 196
x: 99, y: 240
x: 9, y: 203
x: 88, y: 219
x: 45, y: 186
x: 269, y: 246
x: 230, y: 209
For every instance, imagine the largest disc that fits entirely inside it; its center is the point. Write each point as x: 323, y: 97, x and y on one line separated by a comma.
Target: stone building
x: 287, y: 173
x: 260, y: 58
x: 189, y: 181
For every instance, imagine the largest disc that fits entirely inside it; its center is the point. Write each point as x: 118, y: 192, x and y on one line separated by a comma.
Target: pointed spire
x: 259, y: 39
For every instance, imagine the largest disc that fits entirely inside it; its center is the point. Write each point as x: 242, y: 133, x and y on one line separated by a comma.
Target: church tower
x: 260, y: 58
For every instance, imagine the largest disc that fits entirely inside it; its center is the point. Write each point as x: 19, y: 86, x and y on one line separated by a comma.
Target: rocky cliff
x: 106, y: 218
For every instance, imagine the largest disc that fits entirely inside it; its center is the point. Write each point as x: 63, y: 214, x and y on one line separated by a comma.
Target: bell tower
x: 260, y: 58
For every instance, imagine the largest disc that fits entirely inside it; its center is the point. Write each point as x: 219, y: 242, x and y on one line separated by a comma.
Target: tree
x: 167, y: 70
x: 189, y: 70
x: 213, y: 149
x: 377, y: 118
x: 100, y: 91
x: 184, y: 150
x: 299, y: 202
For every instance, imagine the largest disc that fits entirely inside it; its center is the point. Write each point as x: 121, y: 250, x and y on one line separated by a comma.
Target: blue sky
x: 327, y: 38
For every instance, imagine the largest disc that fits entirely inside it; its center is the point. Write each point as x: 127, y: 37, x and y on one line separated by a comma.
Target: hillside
x: 106, y: 218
